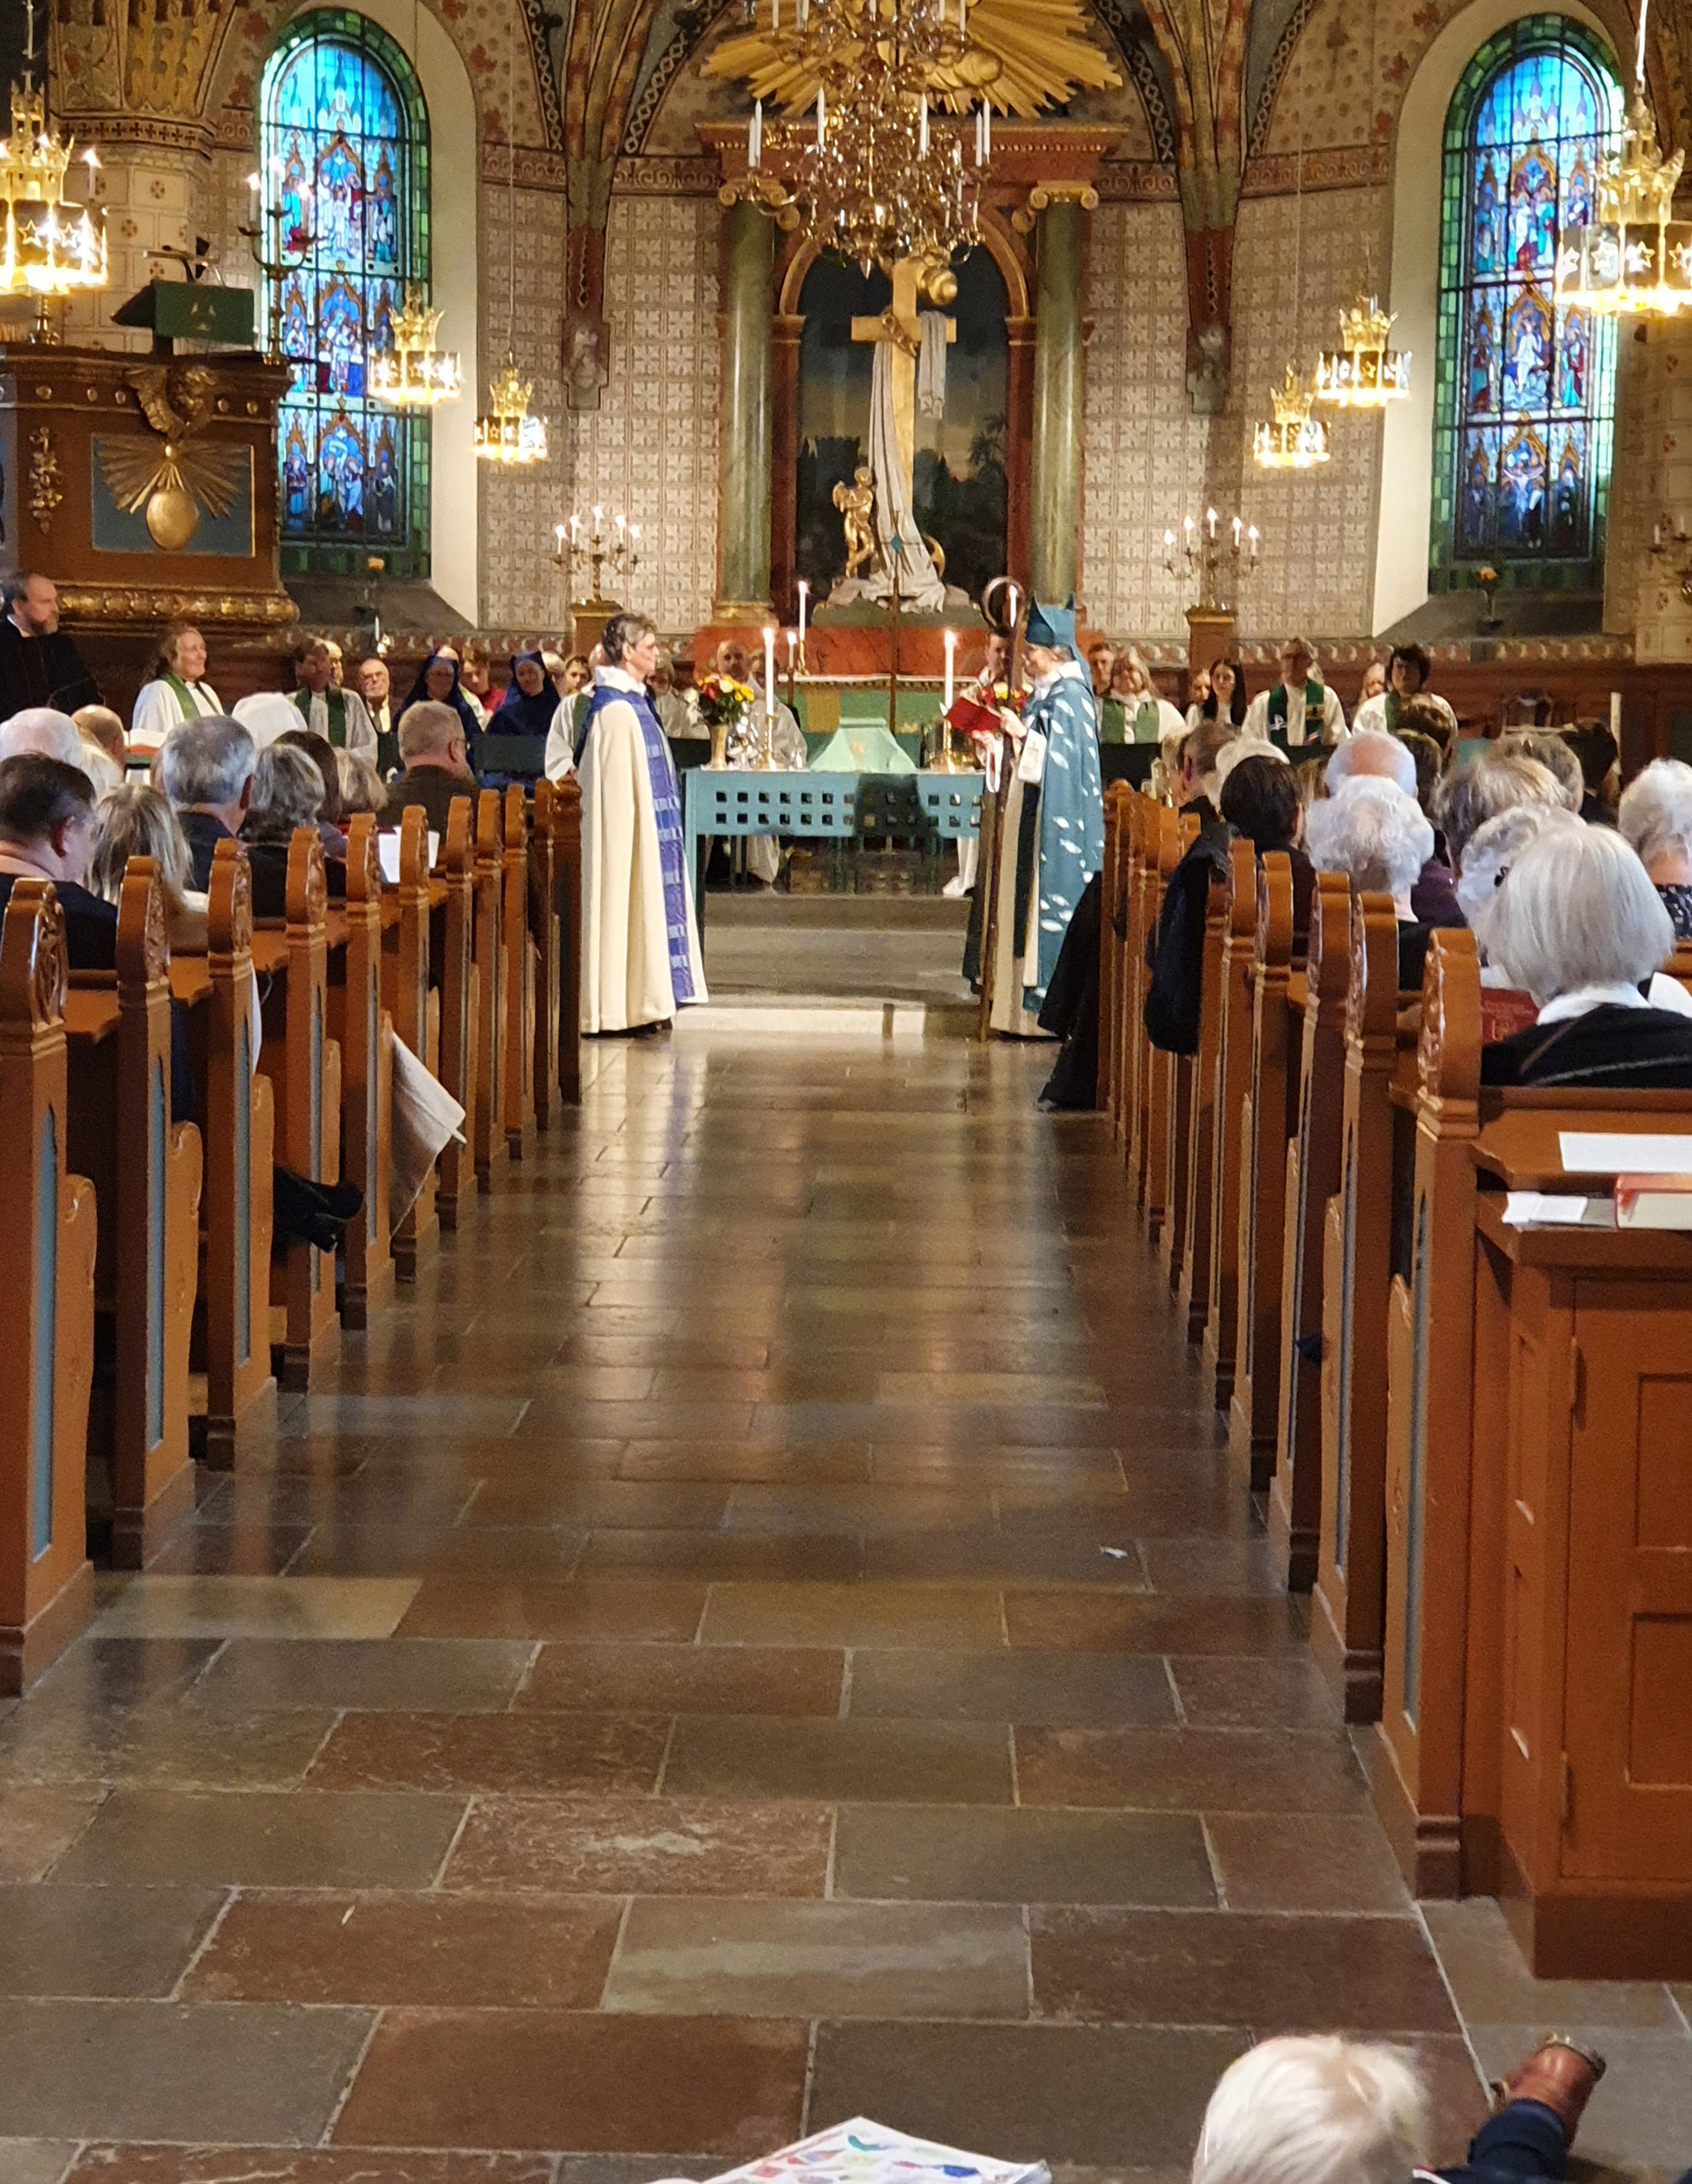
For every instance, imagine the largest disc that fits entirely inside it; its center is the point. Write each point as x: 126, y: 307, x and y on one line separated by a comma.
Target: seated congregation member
x: 1260, y: 799
x: 1374, y: 684
x: 1371, y: 752
x: 1578, y: 925
x: 475, y: 675
x: 1600, y: 766
x: 338, y: 715
x: 1375, y: 833
x: 1101, y: 666
x: 530, y: 704
x: 1147, y: 717
x: 437, y: 765
x: 1655, y: 816
x: 1176, y: 954
x: 437, y: 680
x: 1300, y: 707
x: 47, y: 813
x: 1480, y: 788
x: 266, y: 715
x: 98, y: 724
x: 1407, y: 681
x: 287, y: 792
x: 641, y: 957
x: 178, y: 690
x: 376, y: 687
x: 361, y: 788
x: 675, y: 715
x: 137, y: 820
x: 205, y: 768
x: 51, y: 734
x: 1222, y: 697
x: 1317, y: 2109
x: 323, y: 756
x: 1556, y: 754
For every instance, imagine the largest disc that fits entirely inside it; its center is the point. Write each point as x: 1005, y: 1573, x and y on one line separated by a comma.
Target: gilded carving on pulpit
x: 172, y: 481
x: 45, y: 492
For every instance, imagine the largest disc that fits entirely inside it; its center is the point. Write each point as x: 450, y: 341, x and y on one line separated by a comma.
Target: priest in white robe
x: 641, y: 957
x: 327, y: 708
x: 1301, y: 706
x: 1406, y: 677
x: 178, y: 691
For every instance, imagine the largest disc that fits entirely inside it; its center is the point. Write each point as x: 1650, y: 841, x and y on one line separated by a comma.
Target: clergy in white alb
x: 329, y: 710
x: 641, y: 957
x: 1406, y: 678
x: 1301, y: 707
x: 178, y: 691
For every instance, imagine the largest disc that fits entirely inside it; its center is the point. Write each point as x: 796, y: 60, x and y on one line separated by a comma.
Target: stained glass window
x: 345, y: 144
x: 1527, y: 396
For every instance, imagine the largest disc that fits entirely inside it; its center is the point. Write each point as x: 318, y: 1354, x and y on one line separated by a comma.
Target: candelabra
x: 1206, y: 554
x: 573, y: 552
x: 288, y: 251
x: 1665, y: 545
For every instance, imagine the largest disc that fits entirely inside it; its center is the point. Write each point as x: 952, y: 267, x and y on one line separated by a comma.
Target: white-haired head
x: 1373, y: 833
x: 1243, y: 748
x: 51, y: 734
x: 265, y: 714
x: 1493, y: 848
x: 1578, y: 910
x: 1656, y: 816
x: 1318, y: 2110
x: 206, y: 763
x: 1372, y: 753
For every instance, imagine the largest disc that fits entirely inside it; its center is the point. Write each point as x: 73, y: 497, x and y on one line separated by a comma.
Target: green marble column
x: 743, y: 456
x: 1055, y: 463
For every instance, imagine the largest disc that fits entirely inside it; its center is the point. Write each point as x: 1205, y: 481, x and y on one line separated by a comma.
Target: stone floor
x: 767, y: 1630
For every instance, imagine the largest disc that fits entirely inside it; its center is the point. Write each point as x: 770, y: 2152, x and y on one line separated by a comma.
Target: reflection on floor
x: 767, y: 1630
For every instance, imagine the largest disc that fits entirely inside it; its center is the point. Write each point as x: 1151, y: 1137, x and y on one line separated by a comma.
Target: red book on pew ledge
x: 1503, y: 1011
x: 1644, y: 1202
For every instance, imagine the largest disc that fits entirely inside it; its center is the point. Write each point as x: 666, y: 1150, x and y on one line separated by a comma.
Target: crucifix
x: 899, y: 327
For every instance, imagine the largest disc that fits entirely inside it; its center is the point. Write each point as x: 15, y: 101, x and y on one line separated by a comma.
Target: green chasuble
x: 335, y: 706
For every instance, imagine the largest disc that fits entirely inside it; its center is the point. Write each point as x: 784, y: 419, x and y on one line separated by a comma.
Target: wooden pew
x: 1145, y: 882
x: 240, y: 1145
x: 1347, y: 1616
x: 1267, y: 1122
x: 357, y: 1023
x: 1232, y: 1086
x: 304, y: 1066
x: 516, y: 1099
x: 1192, y: 1291
x: 1179, y: 1072
x: 47, y: 1305
x: 1157, y: 1073
x: 567, y: 847
x: 1539, y: 1584
x: 146, y: 1174
x: 1312, y: 1179
x: 459, y: 1004
x: 414, y: 1006
x: 1111, y: 871
x: 544, y: 931
x: 490, y: 1016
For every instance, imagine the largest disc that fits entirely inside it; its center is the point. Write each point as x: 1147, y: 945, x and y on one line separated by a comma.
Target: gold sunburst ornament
x: 1296, y: 440
x: 1363, y: 373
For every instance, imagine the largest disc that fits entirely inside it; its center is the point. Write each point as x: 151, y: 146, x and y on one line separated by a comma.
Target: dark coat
x: 42, y: 670
x: 1175, y: 996
x: 1610, y: 1048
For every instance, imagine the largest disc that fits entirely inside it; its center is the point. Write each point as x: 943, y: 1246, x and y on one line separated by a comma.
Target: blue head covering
x: 520, y: 715
x: 1052, y: 627
x: 455, y: 697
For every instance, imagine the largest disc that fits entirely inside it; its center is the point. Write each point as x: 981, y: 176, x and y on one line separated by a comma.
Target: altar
x: 837, y: 808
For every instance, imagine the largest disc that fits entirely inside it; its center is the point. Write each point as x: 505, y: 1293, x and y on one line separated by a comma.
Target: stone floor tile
x: 1088, y: 1555
x: 601, y: 1504
x: 597, y: 1608
x: 1305, y: 1861
x: 1490, y: 1979
x: 720, y: 1557
x: 59, y: 1940
x: 169, y: 1746
x: 221, y: 1607
x: 508, y: 1552
x: 1266, y: 1973
x: 1210, y: 1565
x: 1031, y: 2092
x: 851, y: 1614
x: 258, y: 1838
x: 617, y: 1845
x: 1253, y: 1691
x: 227, y: 1550
x: 35, y: 2160
x: 456, y: 1951
x: 938, y: 1853
x: 39, y: 1822
x: 555, y: 1753
x: 1154, y: 1622
x: 775, y: 1958
x: 685, y: 1679
x: 736, y: 1463
x: 163, y: 2070
x: 1173, y: 1769
x: 313, y: 2165
x: 1060, y: 1690
x: 755, y: 1756
x: 502, y: 2078
x: 434, y: 1675
x: 882, y: 1511
x: 121, y: 1672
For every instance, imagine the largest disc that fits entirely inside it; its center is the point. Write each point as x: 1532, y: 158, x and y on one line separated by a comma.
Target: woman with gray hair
x: 1656, y: 817
x: 1377, y: 835
x: 1579, y: 926
x: 287, y: 793
x: 1470, y: 795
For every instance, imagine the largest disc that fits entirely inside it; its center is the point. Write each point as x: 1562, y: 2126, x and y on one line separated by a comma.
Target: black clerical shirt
x: 42, y: 670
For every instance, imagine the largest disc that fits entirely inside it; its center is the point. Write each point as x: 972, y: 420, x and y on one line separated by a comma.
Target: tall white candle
x: 1210, y: 518
x: 1238, y: 527
x: 820, y: 110
x: 951, y: 665
x: 804, y: 601
x: 769, y: 667
x: 755, y: 146
x: 922, y: 131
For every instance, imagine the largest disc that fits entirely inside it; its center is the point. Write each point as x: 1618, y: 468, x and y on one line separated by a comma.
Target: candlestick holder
x: 1213, y: 557
x: 573, y: 555
x: 1665, y: 543
x: 277, y: 263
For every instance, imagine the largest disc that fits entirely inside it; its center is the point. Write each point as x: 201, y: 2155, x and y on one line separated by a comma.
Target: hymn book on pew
x: 861, y: 2152
x: 1652, y: 1185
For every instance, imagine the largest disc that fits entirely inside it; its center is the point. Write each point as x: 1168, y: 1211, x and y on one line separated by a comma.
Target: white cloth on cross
x: 919, y: 580
x: 931, y: 363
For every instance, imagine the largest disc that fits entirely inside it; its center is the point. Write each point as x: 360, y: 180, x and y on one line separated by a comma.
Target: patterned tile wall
x: 1652, y: 469
x: 1144, y: 452
x: 520, y: 587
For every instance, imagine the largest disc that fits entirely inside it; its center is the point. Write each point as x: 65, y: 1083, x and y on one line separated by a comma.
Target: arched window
x: 346, y: 141
x: 1526, y: 392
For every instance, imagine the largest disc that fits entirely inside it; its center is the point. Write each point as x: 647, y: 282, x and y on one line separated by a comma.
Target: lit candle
x: 769, y: 667
x: 951, y: 665
x: 756, y: 144
x: 252, y: 183
x: 1187, y: 521
x: 1210, y: 519
x: 634, y: 534
x: 961, y: 25
x: 774, y: 14
x: 557, y: 533
x: 575, y: 526
x: 987, y: 127
x: 1656, y: 534
x: 804, y: 601
x: 1252, y: 536
x: 820, y: 113
x: 621, y: 526
x: 1169, y: 540
x: 598, y: 511
x: 1238, y: 527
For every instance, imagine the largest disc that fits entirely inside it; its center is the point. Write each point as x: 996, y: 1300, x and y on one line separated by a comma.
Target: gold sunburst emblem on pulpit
x: 168, y: 477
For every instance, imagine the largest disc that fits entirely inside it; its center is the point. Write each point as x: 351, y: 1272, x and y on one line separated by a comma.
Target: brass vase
x: 719, y: 746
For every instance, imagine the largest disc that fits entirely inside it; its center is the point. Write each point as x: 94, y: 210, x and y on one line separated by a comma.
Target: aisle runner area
x: 767, y: 1631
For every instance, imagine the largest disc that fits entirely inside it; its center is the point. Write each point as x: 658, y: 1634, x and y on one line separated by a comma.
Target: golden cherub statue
x: 857, y: 504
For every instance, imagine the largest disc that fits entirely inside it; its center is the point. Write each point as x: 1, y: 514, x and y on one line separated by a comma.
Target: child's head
x: 1313, y: 2111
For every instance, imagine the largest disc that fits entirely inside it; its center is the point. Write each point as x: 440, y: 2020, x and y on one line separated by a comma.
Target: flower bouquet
x: 722, y: 704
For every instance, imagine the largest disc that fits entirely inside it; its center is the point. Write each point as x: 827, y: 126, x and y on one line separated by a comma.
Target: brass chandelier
x: 871, y: 181
x: 49, y: 247
x: 1296, y: 440
x: 1362, y: 373
x: 1635, y: 260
